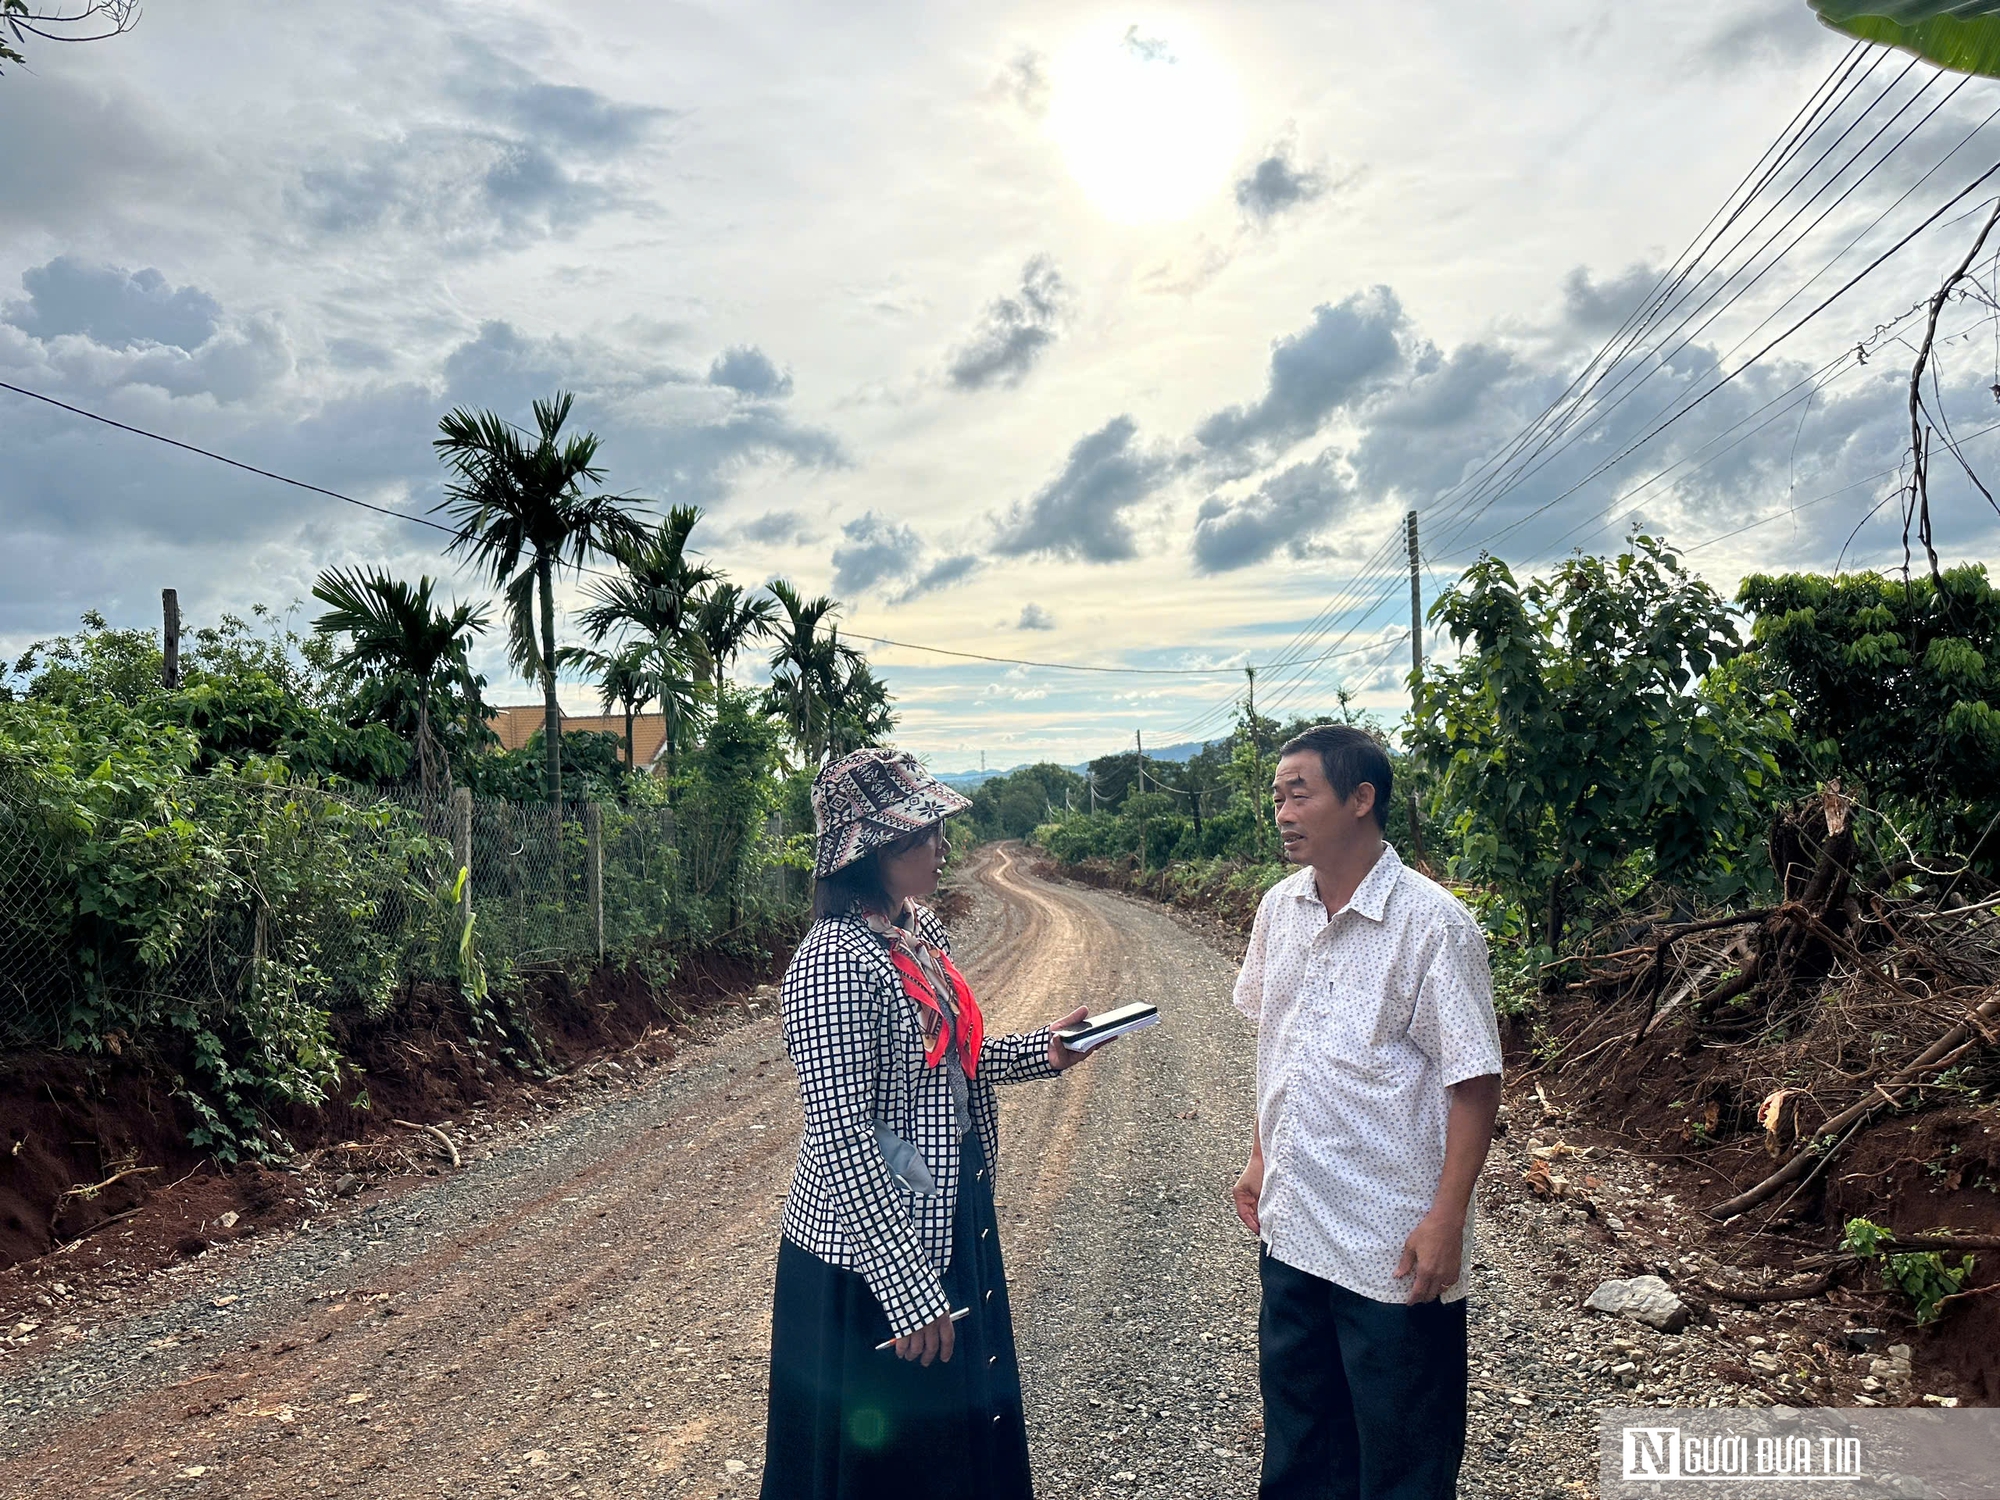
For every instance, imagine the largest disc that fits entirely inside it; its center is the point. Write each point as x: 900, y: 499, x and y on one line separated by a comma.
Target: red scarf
x: 945, y: 1000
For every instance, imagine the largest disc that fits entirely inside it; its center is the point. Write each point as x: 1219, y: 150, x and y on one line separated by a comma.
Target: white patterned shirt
x: 1363, y: 1021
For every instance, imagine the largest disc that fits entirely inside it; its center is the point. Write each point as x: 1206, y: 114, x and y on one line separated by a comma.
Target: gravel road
x: 584, y: 1309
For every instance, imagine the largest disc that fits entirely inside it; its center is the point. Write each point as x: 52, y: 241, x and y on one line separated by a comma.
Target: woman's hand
x: 932, y: 1341
x: 1061, y: 1057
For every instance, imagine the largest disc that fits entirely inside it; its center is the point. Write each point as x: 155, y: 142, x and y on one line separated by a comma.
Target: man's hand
x: 1061, y: 1057
x: 1249, y: 1188
x: 932, y: 1341
x: 1432, y: 1252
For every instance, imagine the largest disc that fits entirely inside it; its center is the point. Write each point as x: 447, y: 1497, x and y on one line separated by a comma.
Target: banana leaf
x: 1962, y: 35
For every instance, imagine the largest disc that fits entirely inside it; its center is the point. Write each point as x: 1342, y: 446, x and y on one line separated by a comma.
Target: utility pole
x: 1139, y: 743
x: 170, y: 639
x: 1416, y: 673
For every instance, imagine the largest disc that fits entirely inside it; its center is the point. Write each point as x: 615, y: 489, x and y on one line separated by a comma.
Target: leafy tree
x: 725, y: 621
x: 858, y: 709
x: 1594, y: 714
x: 399, y: 636
x: 523, y: 513
x: 1895, y: 687
x: 91, y: 21
x: 1015, y: 805
x: 243, y: 696
x: 622, y: 679
x: 655, y: 593
x: 808, y: 656
x: 684, y: 701
x: 1950, y: 33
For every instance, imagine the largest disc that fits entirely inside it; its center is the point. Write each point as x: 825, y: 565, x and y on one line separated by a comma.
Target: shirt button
x: 984, y: 1232
x: 989, y: 1296
x: 991, y: 1361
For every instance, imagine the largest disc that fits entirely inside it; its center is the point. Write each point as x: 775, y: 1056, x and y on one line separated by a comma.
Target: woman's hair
x: 860, y: 886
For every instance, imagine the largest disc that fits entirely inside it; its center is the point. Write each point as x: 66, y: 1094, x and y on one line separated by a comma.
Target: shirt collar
x: 1371, y: 897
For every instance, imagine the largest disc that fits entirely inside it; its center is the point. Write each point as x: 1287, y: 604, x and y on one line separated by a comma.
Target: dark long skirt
x: 849, y: 1422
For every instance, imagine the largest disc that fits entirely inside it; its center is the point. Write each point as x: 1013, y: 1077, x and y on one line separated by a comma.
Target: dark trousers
x: 1363, y: 1400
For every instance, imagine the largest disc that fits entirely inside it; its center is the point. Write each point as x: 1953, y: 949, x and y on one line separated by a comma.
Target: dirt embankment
x: 90, y: 1142
x: 1687, y: 1101
x: 583, y: 1308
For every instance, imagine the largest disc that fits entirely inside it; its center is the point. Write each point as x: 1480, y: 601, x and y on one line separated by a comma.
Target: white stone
x: 1644, y: 1299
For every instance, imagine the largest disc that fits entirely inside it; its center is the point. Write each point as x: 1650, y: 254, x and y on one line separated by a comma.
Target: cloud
x: 525, y: 159
x: 748, y: 369
x: 778, y: 528
x: 1034, y: 617
x: 1276, y: 184
x: 1289, y: 510
x: 889, y: 558
x: 1080, y: 514
x: 667, y: 430
x: 112, y: 306
x: 1014, y: 331
x: 1024, y: 81
x: 130, y: 515
x: 876, y: 551
x: 78, y: 156
x: 465, y: 192
x: 1598, y: 307
x: 579, y: 118
x: 1347, y: 350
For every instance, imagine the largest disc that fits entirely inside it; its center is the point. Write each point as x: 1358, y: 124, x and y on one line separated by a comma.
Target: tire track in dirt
x: 588, y: 1311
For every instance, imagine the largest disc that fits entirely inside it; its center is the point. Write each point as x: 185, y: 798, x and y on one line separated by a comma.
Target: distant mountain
x: 965, y: 781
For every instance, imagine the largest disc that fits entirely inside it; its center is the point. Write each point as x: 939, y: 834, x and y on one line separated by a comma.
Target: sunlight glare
x: 1147, y: 122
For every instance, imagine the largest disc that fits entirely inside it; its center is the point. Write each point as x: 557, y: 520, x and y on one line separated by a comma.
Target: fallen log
x: 85, y: 1192
x: 438, y: 1135
x: 1814, y: 1288
x: 1889, y: 1093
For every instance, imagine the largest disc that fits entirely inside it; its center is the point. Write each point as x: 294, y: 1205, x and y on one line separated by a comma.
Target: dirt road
x: 584, y: 1310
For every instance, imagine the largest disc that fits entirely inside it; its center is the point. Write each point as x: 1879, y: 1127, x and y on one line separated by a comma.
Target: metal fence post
x: 461, y: 849
x: 593, y: 828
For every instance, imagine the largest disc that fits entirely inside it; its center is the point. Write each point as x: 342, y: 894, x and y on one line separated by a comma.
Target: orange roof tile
x: 517, y: 724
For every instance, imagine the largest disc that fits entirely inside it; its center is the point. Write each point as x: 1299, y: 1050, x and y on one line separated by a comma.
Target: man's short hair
x: 1349, y: 756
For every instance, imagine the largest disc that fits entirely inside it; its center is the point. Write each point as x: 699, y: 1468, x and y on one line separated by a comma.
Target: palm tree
x: 395, y: 631
x: 723, y: 622
x: 656, y: 590
x: 802, y: 663
x: 858, y: 709
x: 622, y: 678
x: 673, y: 679
x: 522, y: 514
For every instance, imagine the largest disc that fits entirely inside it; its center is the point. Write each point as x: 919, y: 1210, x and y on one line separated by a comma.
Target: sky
x: 1102, y: 336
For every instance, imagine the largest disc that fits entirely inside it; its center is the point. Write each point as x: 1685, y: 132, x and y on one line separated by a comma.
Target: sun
x: 1147, y: 121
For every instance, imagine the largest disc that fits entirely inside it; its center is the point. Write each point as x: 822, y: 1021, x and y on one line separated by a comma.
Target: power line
x: 234, y: 463
x: 458, y: 533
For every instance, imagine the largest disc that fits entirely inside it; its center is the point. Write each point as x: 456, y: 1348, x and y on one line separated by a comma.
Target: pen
x: 957, y: 1313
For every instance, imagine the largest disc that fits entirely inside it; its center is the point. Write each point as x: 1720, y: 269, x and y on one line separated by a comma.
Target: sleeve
x: 1453, y: 1022
x: 1250, y: 978
x: 1019, y: 1058
x: 833, y: 1019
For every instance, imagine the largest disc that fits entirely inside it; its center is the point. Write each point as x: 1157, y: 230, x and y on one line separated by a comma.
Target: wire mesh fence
x: 200, y: 894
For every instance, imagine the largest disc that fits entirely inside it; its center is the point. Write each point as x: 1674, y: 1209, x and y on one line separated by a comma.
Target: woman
x: 889, y: 1230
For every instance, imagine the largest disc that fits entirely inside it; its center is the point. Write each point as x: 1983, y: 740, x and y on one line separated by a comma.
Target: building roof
x: 517, y: 724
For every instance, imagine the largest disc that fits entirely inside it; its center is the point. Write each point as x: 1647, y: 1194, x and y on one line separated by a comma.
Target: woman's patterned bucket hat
x: 871, y: 798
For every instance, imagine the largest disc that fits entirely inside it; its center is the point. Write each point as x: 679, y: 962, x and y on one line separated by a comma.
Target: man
x: 1378, y: 1079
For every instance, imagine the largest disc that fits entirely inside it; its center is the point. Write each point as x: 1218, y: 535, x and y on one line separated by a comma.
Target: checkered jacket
x: 853, y: 1037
